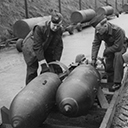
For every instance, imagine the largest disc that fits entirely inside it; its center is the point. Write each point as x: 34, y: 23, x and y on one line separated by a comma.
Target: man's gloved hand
x: 93, y: 63
x: 44, y: 68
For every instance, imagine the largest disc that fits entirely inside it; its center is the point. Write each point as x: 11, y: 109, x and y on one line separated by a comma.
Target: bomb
x: 31, y: 106
x: 76, y: 95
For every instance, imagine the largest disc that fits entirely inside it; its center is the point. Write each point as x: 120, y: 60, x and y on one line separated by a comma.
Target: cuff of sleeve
x: 43, y: 62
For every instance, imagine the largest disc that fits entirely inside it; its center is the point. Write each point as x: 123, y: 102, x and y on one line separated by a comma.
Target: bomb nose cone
x: 16, y: 124
x: 67, y: 108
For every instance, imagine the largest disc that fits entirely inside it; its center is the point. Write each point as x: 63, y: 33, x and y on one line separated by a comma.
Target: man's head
x: 99, y: 22
x: 56, y: 21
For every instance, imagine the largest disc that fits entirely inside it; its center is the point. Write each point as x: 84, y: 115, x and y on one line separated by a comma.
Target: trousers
x: 114, y: 67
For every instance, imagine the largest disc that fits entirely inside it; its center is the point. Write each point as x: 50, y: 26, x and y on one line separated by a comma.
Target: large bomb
x: 31, y: 106
x: 76, y: 95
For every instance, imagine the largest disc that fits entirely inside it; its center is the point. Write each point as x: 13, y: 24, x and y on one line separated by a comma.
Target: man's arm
x: 95, y: 47
x: 38, y: 41
x: 38, y: 48
x: 118, y: 43
x: 58, y: 49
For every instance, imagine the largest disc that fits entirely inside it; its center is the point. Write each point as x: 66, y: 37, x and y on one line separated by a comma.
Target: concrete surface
x: 13, y: 68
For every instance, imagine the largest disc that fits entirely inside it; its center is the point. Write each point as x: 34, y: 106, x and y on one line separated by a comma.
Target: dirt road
x: 13, y: 68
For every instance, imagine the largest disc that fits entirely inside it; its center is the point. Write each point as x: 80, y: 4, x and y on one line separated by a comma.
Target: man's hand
x: 44, y: 68
x: 105, y: 53
x: 93, y: 63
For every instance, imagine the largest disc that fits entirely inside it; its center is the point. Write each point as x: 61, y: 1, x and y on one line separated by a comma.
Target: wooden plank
x: 59, y: 126
x: 6, y: 126
x: 5, y: 115
x: 107, y: 92
x: 102, y: 99
x: 108, y: 118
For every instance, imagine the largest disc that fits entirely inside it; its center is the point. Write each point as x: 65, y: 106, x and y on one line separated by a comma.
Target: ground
x: 13, y: 67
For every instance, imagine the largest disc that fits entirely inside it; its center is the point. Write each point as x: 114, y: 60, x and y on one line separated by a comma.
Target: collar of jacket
x: 111, y: 27
x: 47, y: 29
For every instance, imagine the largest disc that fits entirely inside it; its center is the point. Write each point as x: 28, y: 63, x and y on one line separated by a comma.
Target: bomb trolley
x: 99, y: 116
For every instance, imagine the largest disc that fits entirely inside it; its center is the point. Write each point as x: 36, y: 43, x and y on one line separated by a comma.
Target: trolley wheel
x: 117, y: 14
x: 70, y: 29
x: 19, y: 45
x: 79, y: 27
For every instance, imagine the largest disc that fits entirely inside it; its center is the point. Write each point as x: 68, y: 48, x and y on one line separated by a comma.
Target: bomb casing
x: 77, y: 93
x: 31, y: 106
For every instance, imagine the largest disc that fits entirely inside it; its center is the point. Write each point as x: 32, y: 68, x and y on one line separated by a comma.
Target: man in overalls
x: 114, y: 38
x: 43, y: 45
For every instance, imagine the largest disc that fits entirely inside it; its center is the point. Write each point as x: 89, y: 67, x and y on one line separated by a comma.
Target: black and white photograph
x: 63, y: 64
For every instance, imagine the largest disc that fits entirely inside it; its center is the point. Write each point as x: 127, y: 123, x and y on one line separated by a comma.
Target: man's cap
x: 97, y: 19
x: 56, y: 18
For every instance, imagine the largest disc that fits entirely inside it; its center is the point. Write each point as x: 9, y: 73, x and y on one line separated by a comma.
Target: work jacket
x: 47, y: 44
x: 114, y: 40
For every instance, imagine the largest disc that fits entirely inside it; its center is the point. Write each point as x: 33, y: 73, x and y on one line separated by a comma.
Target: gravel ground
x: 121, y: 114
